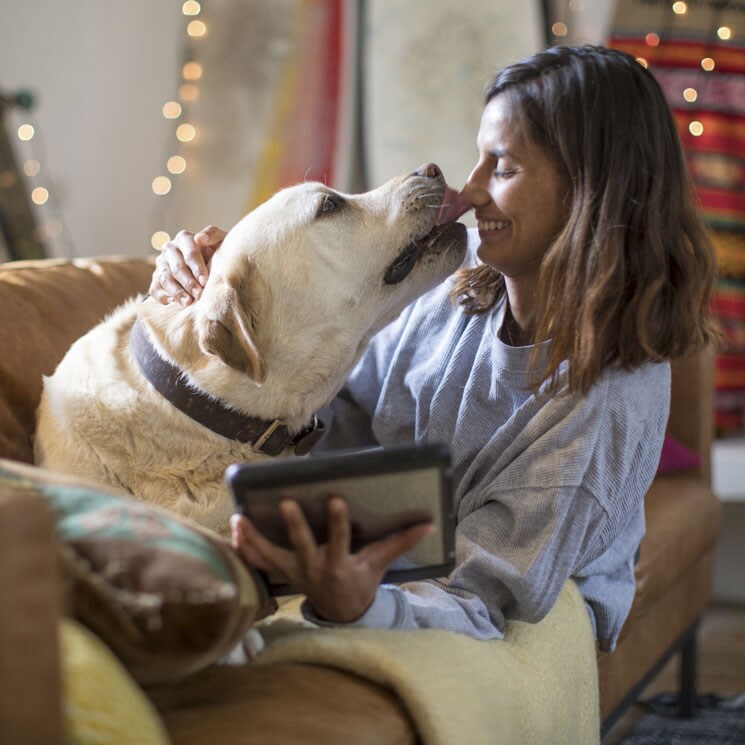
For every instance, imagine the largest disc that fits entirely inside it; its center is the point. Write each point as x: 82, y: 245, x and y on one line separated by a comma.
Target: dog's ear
x: 227, y: 324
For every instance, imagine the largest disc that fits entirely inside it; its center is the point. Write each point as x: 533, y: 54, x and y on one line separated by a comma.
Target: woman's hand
x: 339, y: 585
x: 182, y: 267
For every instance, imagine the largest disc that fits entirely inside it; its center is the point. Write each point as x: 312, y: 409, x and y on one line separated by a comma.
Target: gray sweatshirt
x: 545, y: 488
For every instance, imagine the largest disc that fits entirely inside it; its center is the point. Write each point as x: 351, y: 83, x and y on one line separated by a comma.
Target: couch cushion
x: 291, y: 704
x: 682, y: 516
x: 167, y: 596
x: 46, y: 305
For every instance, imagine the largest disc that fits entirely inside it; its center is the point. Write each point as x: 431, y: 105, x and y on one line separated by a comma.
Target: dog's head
x: 316, y: 272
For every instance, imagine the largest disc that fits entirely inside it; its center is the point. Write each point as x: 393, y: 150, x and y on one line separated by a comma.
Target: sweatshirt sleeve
x: 513, y: 556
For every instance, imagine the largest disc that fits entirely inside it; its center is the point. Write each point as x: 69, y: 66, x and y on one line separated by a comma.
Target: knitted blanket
x: 538, y: 685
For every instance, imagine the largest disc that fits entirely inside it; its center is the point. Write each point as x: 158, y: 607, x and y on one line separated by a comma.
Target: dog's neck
x: 304, y: 386
x: 269, y: 437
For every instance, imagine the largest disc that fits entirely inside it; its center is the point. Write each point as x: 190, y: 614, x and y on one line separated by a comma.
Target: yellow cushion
x: 102, y: 703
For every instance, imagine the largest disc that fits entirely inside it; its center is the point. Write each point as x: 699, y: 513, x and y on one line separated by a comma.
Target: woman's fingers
x: 382, y: 553
x: 339, y: 533
x: 259, y: 551
x: 299, y: 533
x: 183, y: 265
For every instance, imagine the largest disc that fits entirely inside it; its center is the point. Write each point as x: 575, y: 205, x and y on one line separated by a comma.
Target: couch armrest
x: 692, y: 405
x: 30, y: 608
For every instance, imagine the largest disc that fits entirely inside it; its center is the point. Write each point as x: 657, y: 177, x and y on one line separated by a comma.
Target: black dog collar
x: 270, y: 437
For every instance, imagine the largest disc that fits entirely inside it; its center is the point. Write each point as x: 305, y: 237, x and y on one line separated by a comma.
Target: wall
x: 102, y: 72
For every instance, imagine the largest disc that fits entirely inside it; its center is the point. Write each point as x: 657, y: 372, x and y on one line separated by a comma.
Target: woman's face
x: 517, y: 193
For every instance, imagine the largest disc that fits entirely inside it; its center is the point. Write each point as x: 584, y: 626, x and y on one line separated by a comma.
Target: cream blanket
x: 538, y: 685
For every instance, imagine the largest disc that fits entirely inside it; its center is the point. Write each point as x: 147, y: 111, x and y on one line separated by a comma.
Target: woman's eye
x: 505, y: 173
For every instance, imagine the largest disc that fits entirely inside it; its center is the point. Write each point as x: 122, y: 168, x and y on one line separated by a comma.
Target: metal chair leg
x: 688, y: 674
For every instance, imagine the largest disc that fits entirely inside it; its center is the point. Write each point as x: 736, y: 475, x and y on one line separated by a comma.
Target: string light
x: 642, y: 62
x: 25, y: 132
x: 188, y: 91
x: 708, y: 64
x: 696, y: 128
x: 176, y: 164
x: 575, y: 6
x: 690, y: 94
x: 39, y: 195
x: 172, y: 110
x: 31, y: 168
x: 680, y: 8
x: 559, y: 29
x: 159, y: 239
x: 196, y: 28
x: 653, y: 40
x: 724, y: 33
x: 186, y: 132
x: 192, y: 71
x: 161, y: 185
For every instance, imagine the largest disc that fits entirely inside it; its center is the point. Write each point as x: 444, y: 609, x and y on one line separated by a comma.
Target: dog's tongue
x: 452, y: 207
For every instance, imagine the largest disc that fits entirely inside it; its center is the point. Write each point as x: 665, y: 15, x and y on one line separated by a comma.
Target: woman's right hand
x: 182, y: 267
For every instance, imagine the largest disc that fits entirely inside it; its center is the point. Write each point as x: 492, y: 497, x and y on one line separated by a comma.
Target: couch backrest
x: 45, y: 306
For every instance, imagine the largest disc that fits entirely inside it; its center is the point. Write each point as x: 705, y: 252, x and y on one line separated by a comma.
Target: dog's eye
x: 329, y: 204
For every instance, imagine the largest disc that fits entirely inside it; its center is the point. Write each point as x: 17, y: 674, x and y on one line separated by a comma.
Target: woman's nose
x: 476, y: 189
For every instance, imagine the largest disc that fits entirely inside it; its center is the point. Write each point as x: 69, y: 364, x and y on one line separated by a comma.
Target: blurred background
x: 123, y: 122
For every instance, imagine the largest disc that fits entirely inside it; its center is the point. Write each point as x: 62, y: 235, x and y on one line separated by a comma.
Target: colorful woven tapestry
x: 696, y: 50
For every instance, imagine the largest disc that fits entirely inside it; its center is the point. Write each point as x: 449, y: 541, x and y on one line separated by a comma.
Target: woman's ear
x: 226, y: 323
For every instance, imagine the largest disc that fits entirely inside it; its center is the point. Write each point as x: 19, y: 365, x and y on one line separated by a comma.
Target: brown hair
x: 629, y: 277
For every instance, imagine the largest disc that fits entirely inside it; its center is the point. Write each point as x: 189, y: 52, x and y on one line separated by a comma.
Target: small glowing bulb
x: 39, y: 195
x: 708, y: 64
x: 53, y: 228
x: 185, y: 133
x: 690, y: 94
x: 7, y: 178
x: 191, y: 8
x: 161, y: 185
x: 158, y: 239
x: 575, y: 6
x: 724, y: 32
x: 192, y: 71
x: 680, y: 8
x: 642, y: 62
x: 653, y: 40
x: 188, y: 92
x: 696, y: 129
x: 172, y: 110
x: 196, y: 28
x: 25, y: 132
x: 176, y: 164
x: 559, y: 29
x: 32, y: 167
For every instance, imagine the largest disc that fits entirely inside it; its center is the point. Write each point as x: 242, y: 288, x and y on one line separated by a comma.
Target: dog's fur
x: 294, y: 294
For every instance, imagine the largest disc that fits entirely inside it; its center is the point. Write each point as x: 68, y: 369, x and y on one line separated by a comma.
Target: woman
x: 549, y: 377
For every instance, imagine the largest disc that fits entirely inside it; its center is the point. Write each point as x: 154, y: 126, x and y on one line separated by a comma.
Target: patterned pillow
x: 168, y: 596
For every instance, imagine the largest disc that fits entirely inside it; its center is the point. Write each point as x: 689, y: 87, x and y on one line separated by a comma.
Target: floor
x: 721, y: 665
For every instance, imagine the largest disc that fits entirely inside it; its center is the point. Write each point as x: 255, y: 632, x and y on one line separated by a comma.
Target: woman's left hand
x: 340, y: 585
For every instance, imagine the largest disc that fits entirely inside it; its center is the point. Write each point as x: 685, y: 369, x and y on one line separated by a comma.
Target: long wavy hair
x: 629, y: 277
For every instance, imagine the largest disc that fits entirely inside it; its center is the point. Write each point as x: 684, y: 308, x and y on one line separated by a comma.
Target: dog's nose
x: 431, y: 170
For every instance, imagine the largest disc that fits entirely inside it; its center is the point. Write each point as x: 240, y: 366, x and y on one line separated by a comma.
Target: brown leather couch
x: 45, y: 306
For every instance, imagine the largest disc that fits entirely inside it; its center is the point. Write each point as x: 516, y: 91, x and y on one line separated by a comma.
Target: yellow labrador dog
x: 159, y: 400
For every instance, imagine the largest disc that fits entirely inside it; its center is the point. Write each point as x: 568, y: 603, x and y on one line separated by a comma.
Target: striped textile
x: 673, y: 47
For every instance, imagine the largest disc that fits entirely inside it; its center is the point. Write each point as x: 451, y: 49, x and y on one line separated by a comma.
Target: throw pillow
x: 168, y: 596
x: 101, y: 702
x: 675, y: 456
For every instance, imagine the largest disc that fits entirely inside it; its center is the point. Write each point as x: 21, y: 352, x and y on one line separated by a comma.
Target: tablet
x: 386, y: 489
